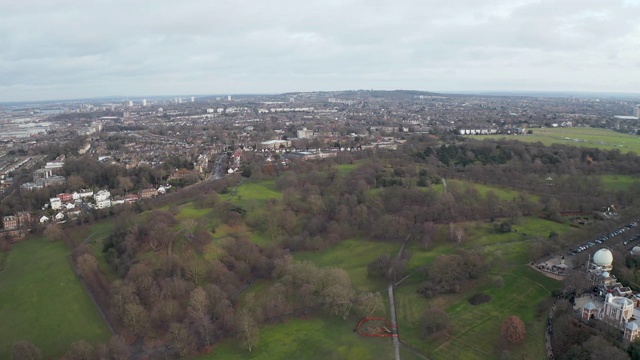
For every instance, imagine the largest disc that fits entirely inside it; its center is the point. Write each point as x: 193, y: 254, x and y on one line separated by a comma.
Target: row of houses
x: 101, y: 199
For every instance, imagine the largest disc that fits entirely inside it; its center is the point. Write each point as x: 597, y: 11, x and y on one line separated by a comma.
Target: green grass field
x: 42, y: 301
x: 251, y: 194
x: 483, y: 189
x: 326, y: 338
x: 618, y: 182
x: 577, y: 136
x: 353, y: 256
x: 475, y: 330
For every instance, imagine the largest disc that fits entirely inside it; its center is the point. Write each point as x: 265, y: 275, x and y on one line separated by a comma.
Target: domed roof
x: 605, y: 274
x: 636, y: 250
x: 589, y: 306
x: 603, y: 257
x: 632, y: 326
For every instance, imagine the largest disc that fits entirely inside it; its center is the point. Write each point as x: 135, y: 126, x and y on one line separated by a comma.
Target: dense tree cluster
x: 447, y: 273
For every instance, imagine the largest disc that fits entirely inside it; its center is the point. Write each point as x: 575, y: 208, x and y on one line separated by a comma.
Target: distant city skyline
x: 84, y: 49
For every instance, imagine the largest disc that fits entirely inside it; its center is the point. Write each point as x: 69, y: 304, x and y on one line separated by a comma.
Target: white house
x: 103, y: 203
x: 101, y: 196
x: 77, y: 195
x: 56, y: 203
x: 43, y: 219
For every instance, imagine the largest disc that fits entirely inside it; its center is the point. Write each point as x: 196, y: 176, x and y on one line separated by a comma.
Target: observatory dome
x: 603, y: 257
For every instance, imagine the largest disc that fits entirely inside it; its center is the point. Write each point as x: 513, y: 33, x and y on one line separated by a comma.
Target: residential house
x: 10, y: 222
x: 56, y: 203
x: 59, y: 216
x: 103, y: 203
x: 148, y: 193
x: 24, y: 218
x: 102, y: 195
x: 65, y: 197
x: 130, y: 198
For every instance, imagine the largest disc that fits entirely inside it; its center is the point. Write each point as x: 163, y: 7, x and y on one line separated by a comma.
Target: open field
x: 577, y: 136
x: 254, y: 194
x: 326, y: 337
x: 353, y: 256
x: 347, y: 168
x: 482, y: 189
x: 43, y: 302
x: 475, y: 330
x: 618, y: 182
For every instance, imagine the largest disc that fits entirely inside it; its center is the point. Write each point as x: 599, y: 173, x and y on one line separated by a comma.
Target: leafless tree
x: 514, y: 330
x: 24, y: 350
x: 248, y: 330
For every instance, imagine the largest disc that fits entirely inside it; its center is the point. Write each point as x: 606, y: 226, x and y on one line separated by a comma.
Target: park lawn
x: 475, y: 330
x: 258, y: 192
x: 322, y: 337
x: 501, y: 192
x: 353, y: 256
x: 43, y: 302
x: 347, y: 168
x: 577, y: 136
x: 189, y: 211
x: 618, y: 182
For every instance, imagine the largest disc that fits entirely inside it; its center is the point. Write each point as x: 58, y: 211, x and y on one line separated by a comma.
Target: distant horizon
x: 187, y: 97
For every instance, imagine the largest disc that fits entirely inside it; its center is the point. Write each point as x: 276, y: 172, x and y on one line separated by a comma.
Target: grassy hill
x: 43, y: 302
x: 577, y: 136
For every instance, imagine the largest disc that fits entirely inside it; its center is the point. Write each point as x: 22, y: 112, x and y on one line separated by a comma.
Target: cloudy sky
x: 54, y: 49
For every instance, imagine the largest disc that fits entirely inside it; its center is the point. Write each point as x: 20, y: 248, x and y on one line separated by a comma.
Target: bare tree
x: 125, y: 183
x: 136, y: 319
x: 189, y: 226
x: 24, y: 350
x: 87, y: 264
x: 53, y: 232
x: 459, y: 235
x: 514, y: 330
x: 118, y: 348
x: 180, y: 339
x: 369, y: 303
x: 80, y: 350
x: 199, y: 313
x: 75, y: 182
x: 248, y: 328
x: 427, y: 234
x: 434, y: 320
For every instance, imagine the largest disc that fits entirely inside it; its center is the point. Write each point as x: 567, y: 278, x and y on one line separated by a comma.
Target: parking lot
x: 614, y: 238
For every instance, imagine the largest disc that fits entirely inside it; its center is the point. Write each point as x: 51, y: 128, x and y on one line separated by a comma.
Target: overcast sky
x: 53, y: 49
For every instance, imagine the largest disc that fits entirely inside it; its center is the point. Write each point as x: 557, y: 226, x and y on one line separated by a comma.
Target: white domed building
x: 604, y: 259
x: 599, y: 270
x: 619, y: 306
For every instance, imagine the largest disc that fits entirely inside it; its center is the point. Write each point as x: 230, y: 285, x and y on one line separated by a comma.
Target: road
x: 394, y: 323
x: 217, y: 167
x: 392, y: 304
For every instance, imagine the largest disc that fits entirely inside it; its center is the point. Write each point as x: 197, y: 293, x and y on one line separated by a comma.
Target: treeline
x: 528, y: 166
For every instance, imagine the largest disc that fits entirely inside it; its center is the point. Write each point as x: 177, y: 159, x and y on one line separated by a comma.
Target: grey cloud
x: 92, y: 48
